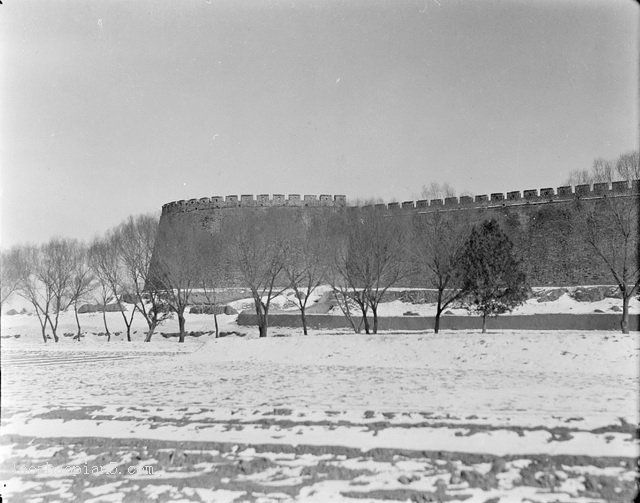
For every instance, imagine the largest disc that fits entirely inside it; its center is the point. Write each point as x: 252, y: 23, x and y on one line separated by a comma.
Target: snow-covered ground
x: 333, y: 416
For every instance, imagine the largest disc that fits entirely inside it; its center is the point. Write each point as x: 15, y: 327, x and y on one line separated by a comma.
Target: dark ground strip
x: 558, y: 433
x: 230, y: 470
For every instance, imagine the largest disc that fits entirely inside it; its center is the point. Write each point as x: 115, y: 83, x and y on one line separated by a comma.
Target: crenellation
x: 310, y: 200
x: 621, y: 186
x: 217, y: 201
x: 325, y: 200
x: 600, y: 188
x: 564, y: 191
x: 247, y: 200
x: 582, y: 190
x: 548, y: 194
x: 294, y: 200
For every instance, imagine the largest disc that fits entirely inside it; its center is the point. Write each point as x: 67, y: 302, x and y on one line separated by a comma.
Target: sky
x: 113, y: 108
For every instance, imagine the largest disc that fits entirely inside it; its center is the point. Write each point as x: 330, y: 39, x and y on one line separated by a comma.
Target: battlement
x: 529, y: 196
x: 249, y: 201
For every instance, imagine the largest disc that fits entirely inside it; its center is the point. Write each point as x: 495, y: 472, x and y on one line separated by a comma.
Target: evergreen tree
x: 491, y: 275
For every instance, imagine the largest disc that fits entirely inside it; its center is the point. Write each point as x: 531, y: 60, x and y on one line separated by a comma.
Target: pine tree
x: 492, y: 275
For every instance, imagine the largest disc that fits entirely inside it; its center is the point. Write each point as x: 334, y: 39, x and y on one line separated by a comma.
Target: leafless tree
x: 9, y: 273
x: 177, y: 267
x: 371, y: 259
x: 625, y: 167
x: 33, y: 285
x: 437, y: 190
x: 259, y: 256
x: 101, y: 257
x: 305, y: 256
x: 59, y: 260
x: 628, y: 166
x: 610, y: 227
x: 136, y: 240
x: 82, y: 280
x: 213, y: 269
x: 436, y: 249
x: 109, y: 267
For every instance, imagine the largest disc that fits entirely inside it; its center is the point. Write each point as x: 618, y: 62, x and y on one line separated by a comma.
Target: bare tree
x: 100, y: 258
x: 628, y: 166
x: 610, y: 227
x: 436, y: 249
x: 82, y: 280
x: 107, y: 263
x: 371, y: 260
x: 59, y: 262
x: 136, y: 240
x: 259, y: 256
x: 176, y: 269
x: 305, y: 257
x: 212, y: 267
x: 32, y: 287
x: 9, y: 274
x: 437, y: 190
x: 625, y: 167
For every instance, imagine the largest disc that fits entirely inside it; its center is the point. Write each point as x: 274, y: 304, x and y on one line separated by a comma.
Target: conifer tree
x: 491, y: 274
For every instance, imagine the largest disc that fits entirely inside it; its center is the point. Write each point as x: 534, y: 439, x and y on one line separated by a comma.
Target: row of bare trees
x: 63, y: 273
x: 361, y: 253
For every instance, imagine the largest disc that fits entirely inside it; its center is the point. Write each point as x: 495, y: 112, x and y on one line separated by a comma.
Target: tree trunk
x: 624, y: 323
x: 215, y: 320
x: 374, y: 310
x: 152, y: 328
x: 484, y: 323
x: 181, y: 325
x: 262, y: 325
x: 104, y: 320
x: 75, y: 311
x: 261, y: 313
x: 303, y: 315
x: 365, y: 320
x: 44, y: 331
x: 436, y: 323
x: 53, y: 328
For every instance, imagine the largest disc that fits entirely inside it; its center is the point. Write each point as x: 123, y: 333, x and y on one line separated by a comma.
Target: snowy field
x: 333, y: 416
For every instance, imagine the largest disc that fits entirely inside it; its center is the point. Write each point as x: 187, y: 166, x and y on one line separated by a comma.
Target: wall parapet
x: 249, y: 201
x: 547, y: 194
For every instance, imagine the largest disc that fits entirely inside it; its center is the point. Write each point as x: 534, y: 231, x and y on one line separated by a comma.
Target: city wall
x: 539, y: 222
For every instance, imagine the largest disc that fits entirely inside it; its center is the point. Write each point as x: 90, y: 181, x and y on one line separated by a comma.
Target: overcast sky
x: 114, y: 108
